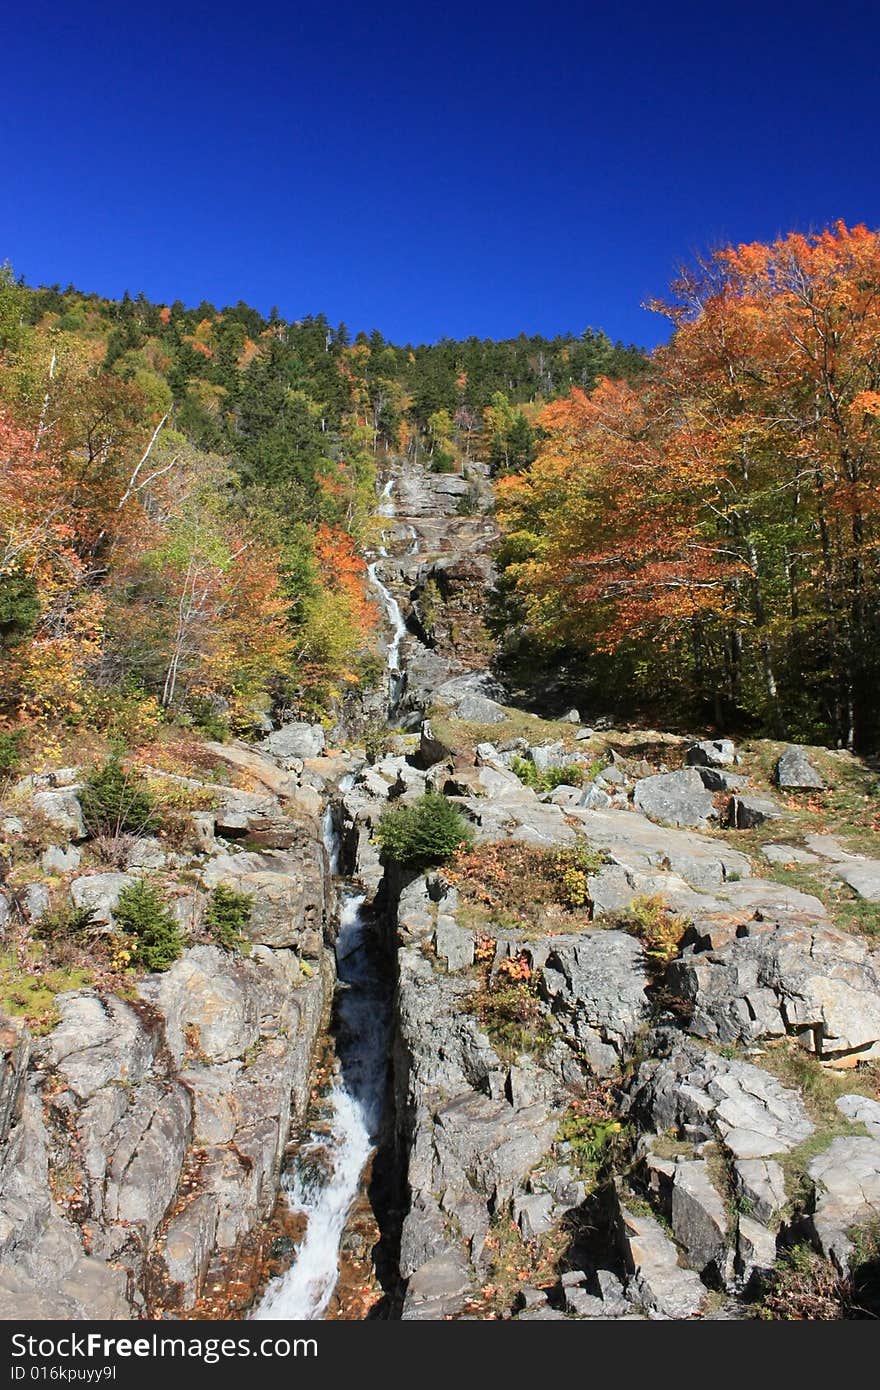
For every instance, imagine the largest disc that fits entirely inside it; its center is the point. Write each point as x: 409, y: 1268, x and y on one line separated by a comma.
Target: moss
x: 32, y: 996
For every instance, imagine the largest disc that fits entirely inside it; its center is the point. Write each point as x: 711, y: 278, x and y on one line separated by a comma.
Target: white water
x: 392, y: 608
x: 325, y: 1189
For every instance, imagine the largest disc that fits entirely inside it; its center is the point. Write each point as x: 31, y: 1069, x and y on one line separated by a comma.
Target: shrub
x: 510, y: 1011
x: 10, y: 753
x: 525, y: 770
x: 66, y: 924
x: 656, y: 925
x: 115, y: 800
x: 428, y: 832
x: 144, y: 917
x: 207, y: 718
x: 226, y: 916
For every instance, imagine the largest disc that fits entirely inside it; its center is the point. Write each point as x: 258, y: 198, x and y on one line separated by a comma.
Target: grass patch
x: 31, y: 996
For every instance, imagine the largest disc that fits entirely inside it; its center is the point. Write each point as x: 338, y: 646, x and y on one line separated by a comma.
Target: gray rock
x: 492, y: 1144
x: 62, y: 810
x: 424, y: 1235
x: 761, y: 1184
x: 795, y: 772
x: 711, y: 752
x: 746, y: 812
x: 715, y: 779
x: 847, y: 1178
x: 755, y: 1249
x: 675, y: 798
x: 12, y: 825
x: 57, y: 860
x: 187, y: 1246
x: 547, y: 755
x: 695, y: 1210
x: 595, y: 984
x: 862, y: 1109
x: 36, y: 901
x: 810, y: 979
x: 147, y: 1149
x: 863, y: 878
x: 473, y: 697
x: 704, y: 1096
x: 594, y: 799
x: 209, y: 994
x: 533, y: 1214
x: 146, y: 853
x: 639, y: 844
x: 99, y: 893
x: 439, y: 1288
x: 656, y: 1280
x: 788, y: 854
x: 454, y: 944
x: 287, y: 892
x: 99, y: 1039
x: 293, y: 742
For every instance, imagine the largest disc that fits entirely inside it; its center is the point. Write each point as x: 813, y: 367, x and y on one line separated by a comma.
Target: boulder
x: 99, y: 893
x: 655, y: 1278
x: 862, y: 877
x: 755, y: 1249
x: 847, y: 1179
x: 675, y: 798
x: 795, y: 772
x: 453, y: 943
x: 473, y: 697
x: 293, y: 742
x: 58, y: 860
x: 62, y: 810
x: 746, y: 812
x: 711, y: 752
x: 695, y: 1209
x: 863, y: 1110
x: 761, y: 1185
x: 788, y: 854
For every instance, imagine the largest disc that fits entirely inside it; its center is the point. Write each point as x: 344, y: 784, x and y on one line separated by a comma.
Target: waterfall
x: 326, y: 1179
x: 392, y: 609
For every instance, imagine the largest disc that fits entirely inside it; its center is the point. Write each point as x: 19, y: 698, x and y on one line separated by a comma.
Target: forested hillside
x: 704, y: 540
x: 186, y: 493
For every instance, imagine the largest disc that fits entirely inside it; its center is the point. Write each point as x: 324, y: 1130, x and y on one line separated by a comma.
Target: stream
x: 324, y: 1181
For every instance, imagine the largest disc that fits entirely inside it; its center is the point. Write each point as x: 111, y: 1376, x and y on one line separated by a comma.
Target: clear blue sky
x: 428, y: 169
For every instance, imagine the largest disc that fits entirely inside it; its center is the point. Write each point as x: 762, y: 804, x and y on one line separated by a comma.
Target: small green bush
x: 10, y: 754
x: 207, y: 718
x: 428, y: 832
x: 66, y: 923
x: 115, y: 801
x: 143, y: 915
x: 525, y: 770
x: 227, y: 915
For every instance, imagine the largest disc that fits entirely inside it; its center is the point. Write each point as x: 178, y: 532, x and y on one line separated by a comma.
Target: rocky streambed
x: 471, y: 1108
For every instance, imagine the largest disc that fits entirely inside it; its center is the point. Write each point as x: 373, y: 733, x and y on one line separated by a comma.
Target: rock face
x: 596, y: 985
x: 812, y: 980
x: 706, y: 1097
x: 141, y: 1137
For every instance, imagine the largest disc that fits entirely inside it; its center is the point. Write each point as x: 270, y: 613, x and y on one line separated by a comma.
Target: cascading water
x: 324, y: 1188
x: 392, y: 608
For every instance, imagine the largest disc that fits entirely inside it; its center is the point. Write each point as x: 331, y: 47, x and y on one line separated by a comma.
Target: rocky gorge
x: 617, y: 1064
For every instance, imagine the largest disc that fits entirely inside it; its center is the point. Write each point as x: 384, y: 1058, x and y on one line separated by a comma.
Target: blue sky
x: 427, y: 169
